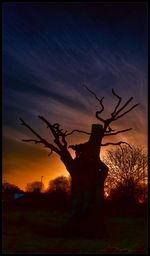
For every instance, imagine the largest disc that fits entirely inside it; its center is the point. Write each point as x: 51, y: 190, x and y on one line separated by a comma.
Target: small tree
x: 59, y: 184
x: 10, y: 188
x: 35, y: 187
x: 127, y: 172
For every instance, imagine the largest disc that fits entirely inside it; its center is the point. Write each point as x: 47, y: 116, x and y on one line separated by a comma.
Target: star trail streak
x: 49, y: 52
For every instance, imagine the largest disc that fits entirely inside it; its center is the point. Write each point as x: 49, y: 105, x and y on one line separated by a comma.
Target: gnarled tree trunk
x: 87, y: 171
x: 88, y: 175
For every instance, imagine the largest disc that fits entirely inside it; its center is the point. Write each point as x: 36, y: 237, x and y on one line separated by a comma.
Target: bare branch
x: 108, y: 134
x: 42, y: 140
x: 32, y: 140
x: 109, y: 130
x: 128, y: 101
x: 101, y: 104
x: 114, y: 114
x: 50, y: 153
x: 98, y: 117
x: 113, y: 92
x: 99, y: 100
x: 67, y: 134
x: 57, y: 133
x: 48, y: 124
x: 64, y: 140
x: 126, y: 111
x: 118, y: 143
x: 36, y: 142
x: 25, y: 124
x: 45, y: 121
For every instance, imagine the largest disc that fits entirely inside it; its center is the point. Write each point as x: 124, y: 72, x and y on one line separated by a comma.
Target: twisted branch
x: 115, y: 94
x: 70, y: 133
x: 41, y: 140
x: 57, y: 133
x: 128, y: 101
x: 108, y: 134
x: 114, y: 114
x: 101, y: 104
x: 117, y: 143
x: 126, y: 112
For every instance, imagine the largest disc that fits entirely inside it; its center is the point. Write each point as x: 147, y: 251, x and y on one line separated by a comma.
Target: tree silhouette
x: 10, y: 188
x: 127, y: 172
x: 35, y: 187
x: 59, y: 185
x: 87, y: 171
x: 9, y: 191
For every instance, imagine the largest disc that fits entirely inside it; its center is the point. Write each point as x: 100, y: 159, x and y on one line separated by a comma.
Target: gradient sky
x: 49, y: 51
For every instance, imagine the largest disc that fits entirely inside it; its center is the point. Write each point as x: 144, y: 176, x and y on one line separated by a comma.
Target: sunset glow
x: 49, y: 52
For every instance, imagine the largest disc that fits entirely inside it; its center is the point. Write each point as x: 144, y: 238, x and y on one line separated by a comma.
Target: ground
x: 37, y: 232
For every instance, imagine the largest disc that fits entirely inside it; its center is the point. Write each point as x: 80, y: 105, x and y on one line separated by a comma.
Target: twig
x: 109, y: 134
x: 126, y: 112
x: 113, y: 92
x: 118, y: 143
x: 67, y: 134
x: 42, y: 140
x: 101, y: 104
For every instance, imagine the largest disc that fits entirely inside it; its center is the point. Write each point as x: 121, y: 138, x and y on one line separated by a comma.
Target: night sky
x: 49, y: 51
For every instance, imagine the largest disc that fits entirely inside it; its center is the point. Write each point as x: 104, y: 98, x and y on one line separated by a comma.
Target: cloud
x: 44, y: 69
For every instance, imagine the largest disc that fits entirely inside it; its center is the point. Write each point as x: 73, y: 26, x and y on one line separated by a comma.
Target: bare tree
x: 87, y: 171
x: 127, y: 171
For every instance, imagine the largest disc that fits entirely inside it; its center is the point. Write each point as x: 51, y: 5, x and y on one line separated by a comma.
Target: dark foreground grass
x: 37, y: 232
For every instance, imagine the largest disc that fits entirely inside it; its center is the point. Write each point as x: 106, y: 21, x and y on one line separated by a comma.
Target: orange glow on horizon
x: 46, y: 167
x: 25, y: 163
x: 25, y: 171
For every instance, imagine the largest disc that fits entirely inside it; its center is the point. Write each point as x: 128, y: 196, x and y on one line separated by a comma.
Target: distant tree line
x: 126, y: 181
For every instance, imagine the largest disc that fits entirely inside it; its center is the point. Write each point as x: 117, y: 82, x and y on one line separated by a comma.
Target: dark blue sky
x: 50, y: 50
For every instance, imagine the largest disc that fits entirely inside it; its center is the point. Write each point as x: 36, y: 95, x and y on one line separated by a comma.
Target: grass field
x: 34, y: 232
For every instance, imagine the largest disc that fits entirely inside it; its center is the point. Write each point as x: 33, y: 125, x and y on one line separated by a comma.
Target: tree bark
x: 88, y: 175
